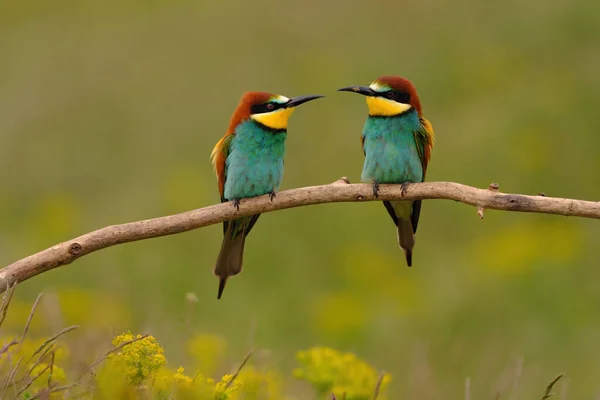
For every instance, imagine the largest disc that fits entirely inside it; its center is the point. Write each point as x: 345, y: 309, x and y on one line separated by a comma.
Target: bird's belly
x: 391, y: 163
x: 249, y: 179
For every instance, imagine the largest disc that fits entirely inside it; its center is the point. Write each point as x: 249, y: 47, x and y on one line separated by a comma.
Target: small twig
x: 8, y: 345
x: 52, y: 339
x: 24, y: 388
x: 3, y: 351
x: 378, y: 385
x: 239, y: 369
x: 10, y: 377
x: 35, y: 303
x: 492, y: 188
x: 548, y: 392
x: 6, y: 300
x: 51, y: 370
x: 46, y: 391
x: 38, y: 361
x: 45, y: 348
x: 119, y: 347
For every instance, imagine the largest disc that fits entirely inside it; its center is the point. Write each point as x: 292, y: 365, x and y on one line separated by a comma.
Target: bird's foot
x: 272, y: 195
x: 403, y: 187
x: 236, y: 204
x: 375, y: 188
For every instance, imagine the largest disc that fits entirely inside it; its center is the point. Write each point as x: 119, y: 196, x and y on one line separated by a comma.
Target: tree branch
x: 339, y: 191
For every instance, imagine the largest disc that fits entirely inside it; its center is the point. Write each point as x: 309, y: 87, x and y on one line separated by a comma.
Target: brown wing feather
x: 219, y: 156
x: 425, y: 139
x: 362, y: 144
x: 425, y: 142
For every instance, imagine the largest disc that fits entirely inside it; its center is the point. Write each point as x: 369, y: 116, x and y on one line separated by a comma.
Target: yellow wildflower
x: 181, y: 378
x: 143, y: 358
x: 222, y: 392
x: 343, y: 374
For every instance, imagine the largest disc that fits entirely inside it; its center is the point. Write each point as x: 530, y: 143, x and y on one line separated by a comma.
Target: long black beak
x: 296, y: 101
x: 364, y: 90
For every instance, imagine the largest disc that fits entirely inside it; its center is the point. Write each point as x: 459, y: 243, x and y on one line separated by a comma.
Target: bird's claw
x: 272, y: 195
x: 375, y: 188
x: 236, y: 204
x: 403, y: 187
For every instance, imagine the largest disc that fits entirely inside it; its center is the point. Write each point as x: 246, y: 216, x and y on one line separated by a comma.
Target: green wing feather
x: 219, y: 156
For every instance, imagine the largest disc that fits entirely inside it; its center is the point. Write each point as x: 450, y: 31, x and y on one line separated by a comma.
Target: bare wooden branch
x: 339, y: 191
x: 480, y: 209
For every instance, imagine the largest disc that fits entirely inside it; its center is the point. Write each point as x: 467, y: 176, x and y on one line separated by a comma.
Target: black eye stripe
x: 265, y: 107
x: 400, y: 97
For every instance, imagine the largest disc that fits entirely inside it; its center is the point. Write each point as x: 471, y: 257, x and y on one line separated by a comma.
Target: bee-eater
x: 397, y: 142
x: 248, y: 162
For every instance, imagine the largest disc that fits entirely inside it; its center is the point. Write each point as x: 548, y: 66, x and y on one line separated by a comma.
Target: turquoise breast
x: 255, y: 163
x: 391, y: 154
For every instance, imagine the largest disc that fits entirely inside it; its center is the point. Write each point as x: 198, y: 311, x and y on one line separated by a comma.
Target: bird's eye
x: 403, y: 98
x: 270, y: 106
x: 389, y: 94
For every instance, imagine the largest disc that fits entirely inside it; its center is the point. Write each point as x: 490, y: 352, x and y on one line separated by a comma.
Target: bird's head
x: 388, y: 96
x: 268, y: 109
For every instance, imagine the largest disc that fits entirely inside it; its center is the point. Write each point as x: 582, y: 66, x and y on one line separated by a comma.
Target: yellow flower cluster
x: 342, y: 374
x: 224, y: 390
x: 180, y: 378
x: 177, y: 385
x: 143, y: 358
x: 142, y: 363
x: 138, y: 369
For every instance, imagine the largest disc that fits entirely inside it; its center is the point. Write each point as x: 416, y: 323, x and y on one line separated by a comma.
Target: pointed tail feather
x: 403, y: 214
x: 406, y: 238
x: 230, y: 259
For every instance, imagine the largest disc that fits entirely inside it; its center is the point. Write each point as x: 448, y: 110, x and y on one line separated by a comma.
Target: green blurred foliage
x: 109, y: 111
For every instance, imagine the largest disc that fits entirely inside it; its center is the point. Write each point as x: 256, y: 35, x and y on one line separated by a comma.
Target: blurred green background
x: 109, y: 111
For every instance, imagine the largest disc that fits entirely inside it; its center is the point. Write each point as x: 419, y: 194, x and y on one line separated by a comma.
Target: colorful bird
x: 248, y: 162
x: 397, y: 142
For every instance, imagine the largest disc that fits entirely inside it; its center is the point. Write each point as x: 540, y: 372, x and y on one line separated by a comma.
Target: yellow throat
x: 277, y: 119
x: 380, y: 106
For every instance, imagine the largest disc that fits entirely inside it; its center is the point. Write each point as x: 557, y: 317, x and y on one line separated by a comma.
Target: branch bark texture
x: 339, y: 191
